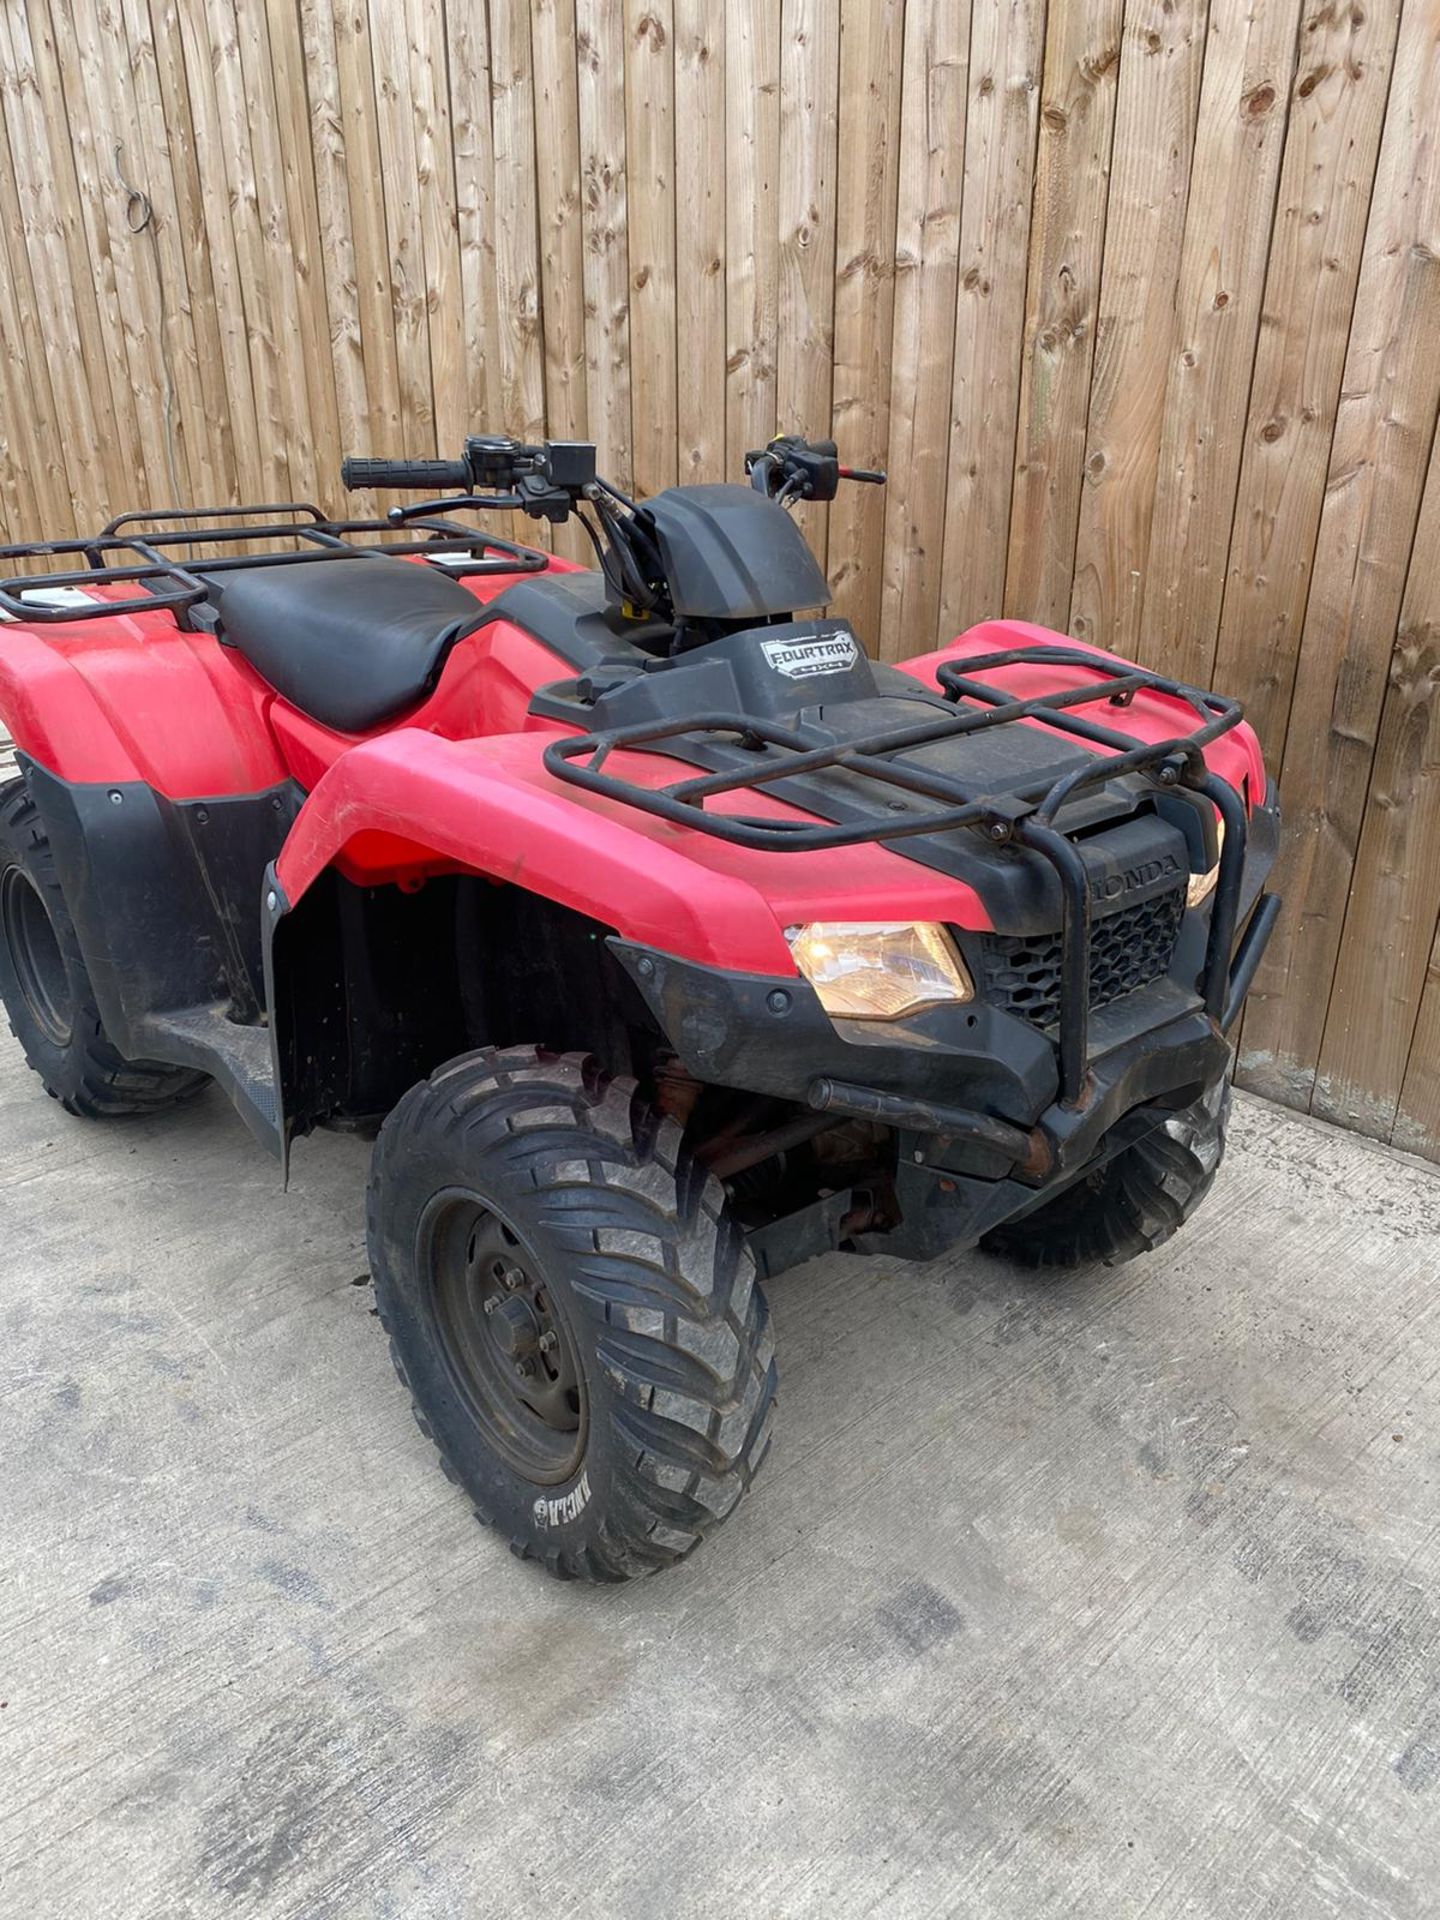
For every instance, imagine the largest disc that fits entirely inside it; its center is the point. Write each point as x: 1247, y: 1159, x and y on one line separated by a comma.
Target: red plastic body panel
x: 134, y: 698
x: 459, y: 784
x: 1235, y: 756
x: 485, y: 689
x: 490, y: 807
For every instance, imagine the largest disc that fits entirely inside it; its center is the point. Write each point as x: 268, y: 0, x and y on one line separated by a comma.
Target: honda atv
x: 664, y: 937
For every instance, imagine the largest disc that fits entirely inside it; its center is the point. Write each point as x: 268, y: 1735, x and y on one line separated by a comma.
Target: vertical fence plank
x: 1006, y: 60
x: 217, y: 89
x: 927, y: 234
x: 212, y: 267
x: 34, y: 482
x: 289, y: 316
x: 517, y: 231
x: 561, y: 241
x: 601, y: 34
x: 650, y: 224
x: 39, y: 502
x: 700, y: 253
x: 99, y: 470
x: 34, y: 492
x: 809, y: 90
x: 867, y: 183
x: 1395, y: 899
x: 189, y: 331
x: 1072, y: 186
x: 561, y: 233
x: 337, y: 254
x: 120, y: 242
x: 1239, y: 140
x: 313, y: 342
x: 450, y: 342
x: 752, y: 237
x: 398, y: 187
x: 469, y: 58
x: 1160, y: 64
x: 362, y: 175
x: 517, y: 235
x: 1331, y: 146
x: 79, y: 191
x: 1383, y: 433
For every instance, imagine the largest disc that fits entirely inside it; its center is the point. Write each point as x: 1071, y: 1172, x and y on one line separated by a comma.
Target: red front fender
x: 411, y: 804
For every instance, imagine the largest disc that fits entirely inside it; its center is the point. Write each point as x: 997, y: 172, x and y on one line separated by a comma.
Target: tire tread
x: 104, y: 1084
x: 1137, y: 1202
x: 695, y: 1434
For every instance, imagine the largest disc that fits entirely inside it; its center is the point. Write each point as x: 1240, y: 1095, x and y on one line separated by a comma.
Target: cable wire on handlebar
x: 624, y: 532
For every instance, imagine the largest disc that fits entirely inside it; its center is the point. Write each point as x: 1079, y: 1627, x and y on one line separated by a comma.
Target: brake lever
x: 503, y: 502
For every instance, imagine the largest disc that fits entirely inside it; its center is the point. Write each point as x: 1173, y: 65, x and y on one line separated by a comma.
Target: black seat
x: 352, y: 642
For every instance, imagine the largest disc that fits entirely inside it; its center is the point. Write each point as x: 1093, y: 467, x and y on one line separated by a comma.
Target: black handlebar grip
x: 425, y: 476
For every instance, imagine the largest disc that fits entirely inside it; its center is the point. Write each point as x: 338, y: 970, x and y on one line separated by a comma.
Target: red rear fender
x: 133, y: 698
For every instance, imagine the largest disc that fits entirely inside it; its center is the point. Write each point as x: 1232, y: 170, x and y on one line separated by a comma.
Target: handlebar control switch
x: 792, y: 468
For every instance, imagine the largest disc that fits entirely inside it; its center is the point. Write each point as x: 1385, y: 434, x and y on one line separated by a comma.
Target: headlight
x: 879, y: 971
x: 1201, y: 885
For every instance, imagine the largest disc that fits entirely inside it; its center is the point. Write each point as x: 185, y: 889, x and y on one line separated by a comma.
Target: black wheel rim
x: 35, y: 951
x: 506, y: 1338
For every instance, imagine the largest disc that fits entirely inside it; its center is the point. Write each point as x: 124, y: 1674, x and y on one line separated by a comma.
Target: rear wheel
x: 47, y: 990
x: 1133, y: 1203
x: 572, y: 1309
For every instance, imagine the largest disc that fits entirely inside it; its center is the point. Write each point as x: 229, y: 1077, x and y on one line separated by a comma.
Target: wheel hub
x: 514, y: 1328
x: 507, y: 1341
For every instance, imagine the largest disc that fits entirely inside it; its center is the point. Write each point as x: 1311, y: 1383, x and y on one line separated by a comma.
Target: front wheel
x: 572, y: 1309
x: 1133, y: 1203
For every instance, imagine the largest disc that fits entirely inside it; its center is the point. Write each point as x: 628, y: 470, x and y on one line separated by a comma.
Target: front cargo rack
x: 1024, y: 815
x: 122, y: 555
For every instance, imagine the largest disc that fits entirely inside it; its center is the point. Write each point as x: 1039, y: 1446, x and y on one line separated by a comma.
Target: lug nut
x: 513, y: 1278
x: 548, y: 1341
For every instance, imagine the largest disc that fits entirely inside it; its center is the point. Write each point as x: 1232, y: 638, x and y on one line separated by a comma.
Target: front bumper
x: 987, y: 1120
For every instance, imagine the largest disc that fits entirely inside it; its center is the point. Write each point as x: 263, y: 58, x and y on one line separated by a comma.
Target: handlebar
x: 557, y: 479
x: 426, y: 476
x: 549, y: 476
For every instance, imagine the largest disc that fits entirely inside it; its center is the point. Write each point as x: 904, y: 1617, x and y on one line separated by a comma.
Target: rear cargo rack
x: 1024, y: 814
x: 122, y: 555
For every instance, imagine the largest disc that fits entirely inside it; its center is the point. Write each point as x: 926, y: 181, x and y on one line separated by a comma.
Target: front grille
x: 1020, y: 973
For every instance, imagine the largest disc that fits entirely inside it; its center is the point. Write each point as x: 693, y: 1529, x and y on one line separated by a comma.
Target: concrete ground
x: 1111, y: 1597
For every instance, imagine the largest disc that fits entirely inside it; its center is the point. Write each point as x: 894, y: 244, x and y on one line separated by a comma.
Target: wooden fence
x: 1137, y: 300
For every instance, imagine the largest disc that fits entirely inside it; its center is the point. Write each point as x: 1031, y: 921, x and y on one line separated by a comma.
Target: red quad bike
x: 666, y: 939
